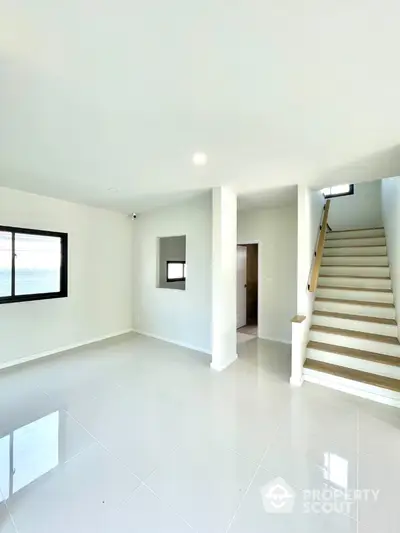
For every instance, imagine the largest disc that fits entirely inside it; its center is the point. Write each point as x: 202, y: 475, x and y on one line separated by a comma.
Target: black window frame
x: 172, y: 280
x: 63, y: 292
x: 349, y: 193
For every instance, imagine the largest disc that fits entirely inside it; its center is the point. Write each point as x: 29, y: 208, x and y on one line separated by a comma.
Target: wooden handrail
x: 319, y: 250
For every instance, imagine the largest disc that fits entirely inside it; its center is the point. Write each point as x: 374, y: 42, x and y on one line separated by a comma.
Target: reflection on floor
x: 140, y: 435
x: 246, y: 333
x: 28, y: 453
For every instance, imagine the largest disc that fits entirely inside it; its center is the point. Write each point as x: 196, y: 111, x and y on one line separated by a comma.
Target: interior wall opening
x: 247, y: 291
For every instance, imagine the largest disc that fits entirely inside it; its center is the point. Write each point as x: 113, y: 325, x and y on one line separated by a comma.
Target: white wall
x: 309, y: 215
x: 183, y: 317
x: 391, y: 220
x: 361, y: 210
x: 309, y: 211
x: 100, y: 278
x: 276, y: 231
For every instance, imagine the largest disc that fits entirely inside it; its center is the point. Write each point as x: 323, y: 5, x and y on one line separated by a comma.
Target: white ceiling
x: 99, y: 94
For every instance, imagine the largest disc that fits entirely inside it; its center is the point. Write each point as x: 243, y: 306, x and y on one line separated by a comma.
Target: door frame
x: 259, y: 306
x: 244, y: 249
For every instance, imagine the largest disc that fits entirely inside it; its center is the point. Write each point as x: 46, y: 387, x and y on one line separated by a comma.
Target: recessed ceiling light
x: 200, y: 159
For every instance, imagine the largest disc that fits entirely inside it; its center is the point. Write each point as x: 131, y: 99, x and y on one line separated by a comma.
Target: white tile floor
x: 137, y: 435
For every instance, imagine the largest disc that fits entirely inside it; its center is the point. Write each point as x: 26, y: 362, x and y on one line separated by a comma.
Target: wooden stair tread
x: 350, y: 276
x: 361, y: 318
x: 355, y: 302
x: 355, y: 246
x: 353, y: 256
x: 355, y: 229
x: 358, y: 334
x: 356, y: 266
x: 352, y: 352
x: 353, y: 288
x: 361, y: 237
x: 354, y: 375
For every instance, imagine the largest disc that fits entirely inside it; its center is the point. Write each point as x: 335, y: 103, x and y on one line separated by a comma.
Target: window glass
x: 338, y: 190
x: 5, y: 263
x: 37, y: 264
x: 175, y: 271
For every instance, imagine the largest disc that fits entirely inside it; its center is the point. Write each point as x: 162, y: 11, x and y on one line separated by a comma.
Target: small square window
x: 338, y: 190
x: 176, y: 271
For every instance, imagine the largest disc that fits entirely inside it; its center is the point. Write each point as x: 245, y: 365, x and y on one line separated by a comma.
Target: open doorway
x: 247, y: 291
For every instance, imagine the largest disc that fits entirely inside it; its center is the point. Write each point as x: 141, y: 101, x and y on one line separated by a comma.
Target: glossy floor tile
x: 249, y: 330
x: 243, y: 337
x: 137, y: 435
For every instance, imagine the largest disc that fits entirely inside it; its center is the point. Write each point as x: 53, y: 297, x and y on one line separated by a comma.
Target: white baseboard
x: 172, y: 341
x: 33, y: 357
x: 275, y: 340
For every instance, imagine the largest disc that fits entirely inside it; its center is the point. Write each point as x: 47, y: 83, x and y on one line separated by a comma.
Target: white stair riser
x: 353, y: 362
x: 349, y: 386
x: 348, y: 294
x: 355, y: 325
x: 353, y: 309
x: 364, y: 283
x: 356, y: 233
x: 362, y: 260
x: 350, y: 243
x: 356, y: 342
x: 362, y: 272
x: 361, y: 250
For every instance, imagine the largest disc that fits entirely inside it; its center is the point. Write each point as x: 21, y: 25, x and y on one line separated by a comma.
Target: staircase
x: 353, y: 343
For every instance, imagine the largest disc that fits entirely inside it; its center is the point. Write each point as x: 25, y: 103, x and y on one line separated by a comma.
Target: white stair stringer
x: 357, y: 388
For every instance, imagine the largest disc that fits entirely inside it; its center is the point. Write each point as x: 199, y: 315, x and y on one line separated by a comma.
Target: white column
x: 224, y: 267
x: 304, y: 298
x: 300, y: 328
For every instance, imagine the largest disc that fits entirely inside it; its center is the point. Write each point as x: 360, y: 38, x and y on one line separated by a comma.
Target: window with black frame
x: 33, y: 264
x: 338, y: 190
x: 176, y: 271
